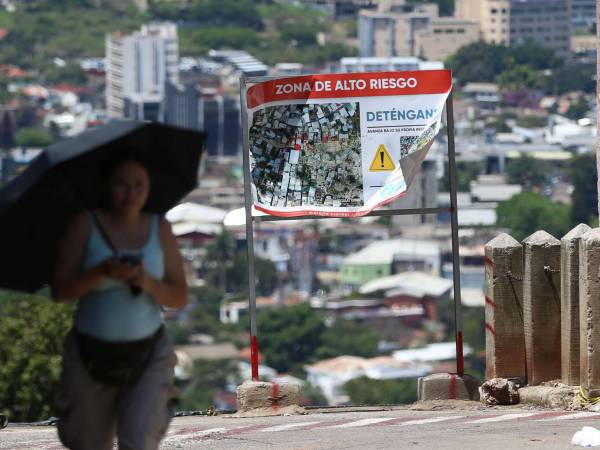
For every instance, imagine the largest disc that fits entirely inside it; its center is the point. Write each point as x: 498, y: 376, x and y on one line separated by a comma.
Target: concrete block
x: 505, y: 340
x: 541, y: 307
x: 261, y: 394
x: 448, y: 386
x: 589, y: 311
x: 499, y: 391
x: 569, y: 295
x: 556, y: 396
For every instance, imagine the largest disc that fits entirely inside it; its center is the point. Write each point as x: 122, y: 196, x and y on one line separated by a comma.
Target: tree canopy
x: 529, y: 65
x: 71, y: 29
x: 347, y: 338
x: 365, y: 391
x: 528, y: 172
x: 584, y: 207
x: 528, y: 212
x: 227, y: 267
x: 32, y: 331
x: 291, y: 337
x: 36, y: 137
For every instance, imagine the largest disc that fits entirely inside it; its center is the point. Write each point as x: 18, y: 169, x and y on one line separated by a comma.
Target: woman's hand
x: 116, y: 270
x: 141, y: 280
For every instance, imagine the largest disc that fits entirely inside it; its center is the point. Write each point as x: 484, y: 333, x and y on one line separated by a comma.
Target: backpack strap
x: 103, y: 232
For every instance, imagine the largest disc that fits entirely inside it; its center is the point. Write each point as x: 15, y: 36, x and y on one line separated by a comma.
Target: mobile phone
x: 131, y: 259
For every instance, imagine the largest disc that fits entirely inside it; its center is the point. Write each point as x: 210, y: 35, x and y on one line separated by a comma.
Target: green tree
x: 525, y: 213
x: 484, y: 62
x: 50, y: 30
x: 478, y: 62
x: 208, y: 377
x: 574, y: 77
x: 498, y: 124
x: 312, y: 394
x: 473, y: 320
x: 302, y: 34
x: 535, y: 55
x: 32, y: 331
x: 227, y: 267
x: 219, y: 253
x: 70, y: 74
x: 198, y: 41
x: 172, y: 11
x: 33, y: 137
x: 532, y: 121
x: 518, y: 78
x: 584, y: 198
x: 226, y: 12
x: 578, y: 109
x: 527, y: 171
x: 365, y: 391
x: 346, y: 337
x: 466, y: 171
x: 289, y: 337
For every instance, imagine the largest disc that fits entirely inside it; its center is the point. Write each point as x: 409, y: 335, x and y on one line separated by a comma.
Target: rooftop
x: 384, y: 252
x: 415, y: 284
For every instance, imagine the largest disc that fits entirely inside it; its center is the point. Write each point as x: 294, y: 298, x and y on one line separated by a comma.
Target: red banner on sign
x: 350, y: 85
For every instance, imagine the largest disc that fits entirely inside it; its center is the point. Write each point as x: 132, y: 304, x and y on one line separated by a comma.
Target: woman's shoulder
x: 79, y: 224
x: 81, y: 220
x: 164, y: 226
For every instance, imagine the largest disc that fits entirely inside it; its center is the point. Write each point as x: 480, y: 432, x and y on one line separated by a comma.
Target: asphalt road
x: 489, y: 429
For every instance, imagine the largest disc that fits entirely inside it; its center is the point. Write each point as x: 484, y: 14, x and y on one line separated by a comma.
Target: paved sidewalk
x: 490, y: 429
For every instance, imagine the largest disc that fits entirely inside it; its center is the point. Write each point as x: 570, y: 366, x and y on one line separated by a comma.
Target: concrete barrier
x: 448, y: 386
x: 505, y: 340
x: 253, y: 395
x: 569, y: 289
x: 589, y: 313
x: 541, y: 307
x: 553, y: 397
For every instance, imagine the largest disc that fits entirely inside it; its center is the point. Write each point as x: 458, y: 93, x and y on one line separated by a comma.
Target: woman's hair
x: 116, y: 160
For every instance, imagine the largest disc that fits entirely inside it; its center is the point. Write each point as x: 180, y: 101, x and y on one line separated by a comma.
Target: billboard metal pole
x: 452, y: 178
x: 249, y: 230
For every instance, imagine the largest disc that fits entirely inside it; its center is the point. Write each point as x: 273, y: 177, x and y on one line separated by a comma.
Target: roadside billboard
x: 340, y: 145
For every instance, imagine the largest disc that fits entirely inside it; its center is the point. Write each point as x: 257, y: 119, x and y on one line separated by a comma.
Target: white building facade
x: 138, y: 66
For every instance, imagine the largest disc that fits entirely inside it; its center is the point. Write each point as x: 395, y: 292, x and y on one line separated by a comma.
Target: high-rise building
x: 512, y: 22
x: 583, y: 13
x: 189, y: 106
x: 137, y: 67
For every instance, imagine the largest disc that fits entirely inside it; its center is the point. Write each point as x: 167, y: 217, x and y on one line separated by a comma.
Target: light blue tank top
x: 110, y: 311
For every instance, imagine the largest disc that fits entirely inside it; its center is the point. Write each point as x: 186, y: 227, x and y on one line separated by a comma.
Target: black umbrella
x: 36, y: 206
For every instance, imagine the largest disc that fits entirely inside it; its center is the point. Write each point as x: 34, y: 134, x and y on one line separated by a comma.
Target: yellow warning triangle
x: 382, y: 161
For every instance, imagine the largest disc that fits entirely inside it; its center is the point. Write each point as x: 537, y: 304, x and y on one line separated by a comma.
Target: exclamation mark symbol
x: 381, y: 157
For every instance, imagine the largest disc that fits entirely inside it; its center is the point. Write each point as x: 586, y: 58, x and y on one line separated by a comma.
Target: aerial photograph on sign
x: 411, y: 144
x: 307, y: 155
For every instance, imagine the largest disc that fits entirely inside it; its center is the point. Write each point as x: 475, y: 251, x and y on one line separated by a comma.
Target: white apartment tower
x: 137, y: 67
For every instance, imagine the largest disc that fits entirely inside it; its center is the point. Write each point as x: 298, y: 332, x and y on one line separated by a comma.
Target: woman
x: 123, y: 265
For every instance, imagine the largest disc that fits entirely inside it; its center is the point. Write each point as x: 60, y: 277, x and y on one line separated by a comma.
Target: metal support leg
x: 460, y: 367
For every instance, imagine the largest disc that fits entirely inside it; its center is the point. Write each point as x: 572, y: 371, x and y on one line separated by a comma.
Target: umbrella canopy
x: 65, y: 178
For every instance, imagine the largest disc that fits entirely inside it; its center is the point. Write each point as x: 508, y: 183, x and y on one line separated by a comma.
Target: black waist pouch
x: 119, y: 363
